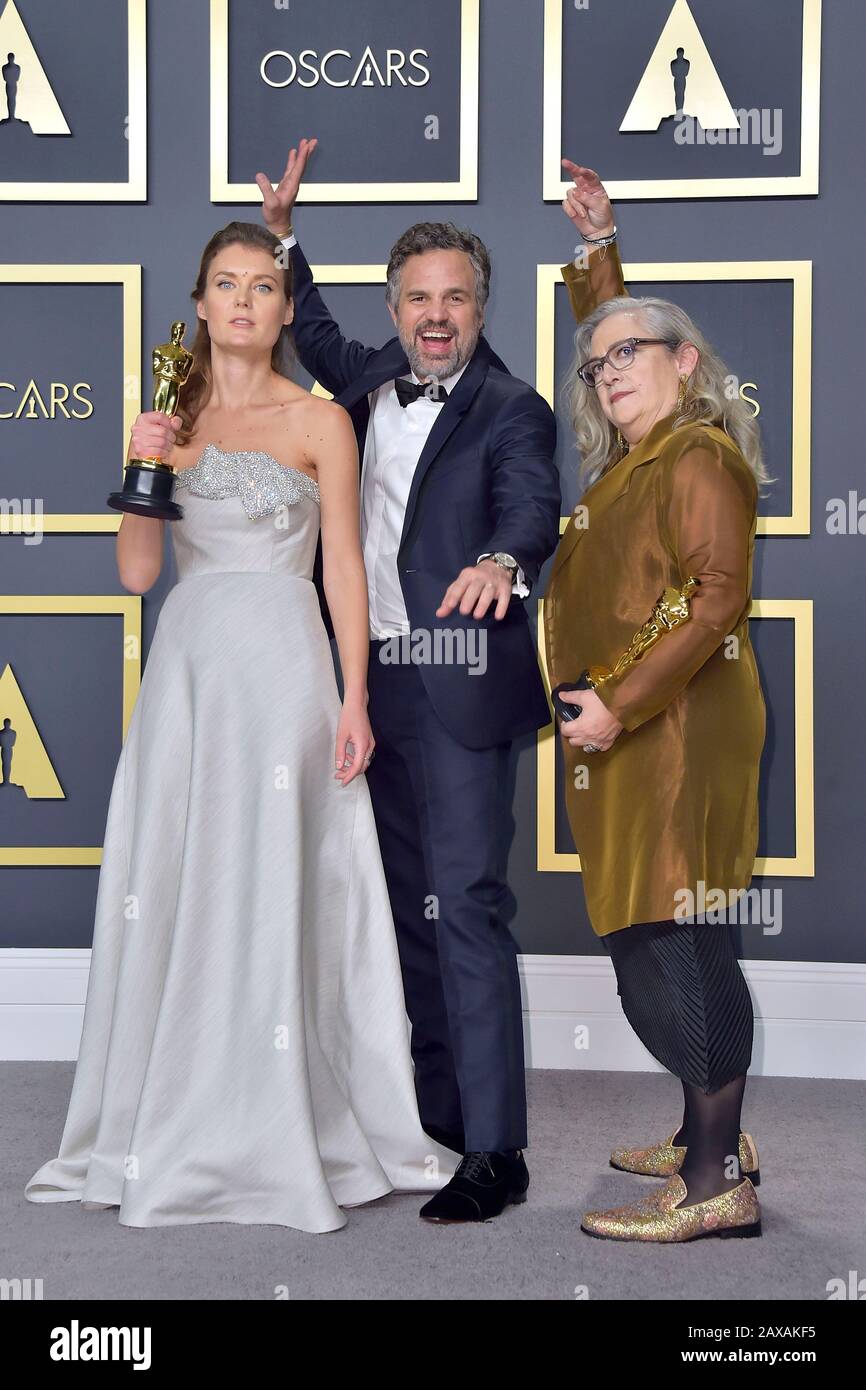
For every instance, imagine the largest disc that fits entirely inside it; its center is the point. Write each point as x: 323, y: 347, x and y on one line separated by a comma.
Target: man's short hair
x: 438, y: 236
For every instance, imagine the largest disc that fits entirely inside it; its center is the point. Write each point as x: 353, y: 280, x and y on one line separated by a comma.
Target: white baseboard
x: 810, y: 1017
x: 42, y: 993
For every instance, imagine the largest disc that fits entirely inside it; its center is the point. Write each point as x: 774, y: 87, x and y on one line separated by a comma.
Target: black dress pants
x: 441, y: 817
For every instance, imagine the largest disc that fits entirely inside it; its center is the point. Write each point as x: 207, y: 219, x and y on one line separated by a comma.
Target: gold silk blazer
x: 673, y: 804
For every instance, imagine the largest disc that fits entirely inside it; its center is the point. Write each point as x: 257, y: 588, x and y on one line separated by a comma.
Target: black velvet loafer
x: 482, y: 1187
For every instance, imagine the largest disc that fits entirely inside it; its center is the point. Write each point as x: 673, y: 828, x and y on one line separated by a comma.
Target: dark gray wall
x: 822, y: 916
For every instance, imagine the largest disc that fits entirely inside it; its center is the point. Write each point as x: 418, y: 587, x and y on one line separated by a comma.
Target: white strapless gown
x: 245, y: 1049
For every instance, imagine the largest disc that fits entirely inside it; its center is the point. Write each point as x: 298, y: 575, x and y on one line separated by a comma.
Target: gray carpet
x: 810, y: 1135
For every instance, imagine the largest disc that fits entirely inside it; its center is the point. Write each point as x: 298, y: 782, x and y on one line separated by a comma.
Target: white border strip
x: 810, y: 1016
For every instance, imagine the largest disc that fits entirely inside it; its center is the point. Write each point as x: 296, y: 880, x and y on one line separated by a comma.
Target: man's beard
x: 439, y: 367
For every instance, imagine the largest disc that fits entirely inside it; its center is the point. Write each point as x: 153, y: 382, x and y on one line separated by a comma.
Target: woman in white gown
x: 245, y: 1052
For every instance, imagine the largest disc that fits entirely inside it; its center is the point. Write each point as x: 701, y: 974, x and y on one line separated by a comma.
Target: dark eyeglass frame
x: 587, y: 380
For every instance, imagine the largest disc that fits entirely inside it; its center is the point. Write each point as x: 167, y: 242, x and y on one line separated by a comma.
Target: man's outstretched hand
x: 475, y: 588
x: 277, y: 203
x: 587, y: 203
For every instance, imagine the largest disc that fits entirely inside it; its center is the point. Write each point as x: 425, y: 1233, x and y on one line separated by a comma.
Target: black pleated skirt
x: 684, y: 994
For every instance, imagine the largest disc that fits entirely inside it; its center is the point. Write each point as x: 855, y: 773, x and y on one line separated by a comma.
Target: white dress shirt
x: 396, y: 436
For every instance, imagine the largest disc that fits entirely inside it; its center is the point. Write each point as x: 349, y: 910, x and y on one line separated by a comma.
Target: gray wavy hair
x: 438, y: 236
x: 708, y: 401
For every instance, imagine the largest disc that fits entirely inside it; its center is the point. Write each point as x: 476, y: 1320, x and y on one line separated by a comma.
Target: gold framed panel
x: 464, y: 188
x: 554, y: 188
x: 346, y: 275
x: 134, y: 190
x: 799, y: 865
x: 129, y: 278
x: 798, y: 521
x: 128, y: 606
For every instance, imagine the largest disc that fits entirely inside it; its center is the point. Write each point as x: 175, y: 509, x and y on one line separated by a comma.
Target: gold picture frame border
x: 797, y: 522
x: 127, y: 606
x: 799, y: 865
x: 331, y: 274
x: 554, y: 188
x: 134, y: 190
x: 129, y: 278
x: 464, y: 189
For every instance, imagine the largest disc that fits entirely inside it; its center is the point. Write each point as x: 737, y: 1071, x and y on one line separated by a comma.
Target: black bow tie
x: 409, y: 391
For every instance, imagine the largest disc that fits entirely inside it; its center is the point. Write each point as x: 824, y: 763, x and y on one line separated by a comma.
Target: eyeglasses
x: 620, y: 355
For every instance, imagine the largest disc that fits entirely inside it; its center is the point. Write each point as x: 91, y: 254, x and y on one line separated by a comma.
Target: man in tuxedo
x: 460, y: 505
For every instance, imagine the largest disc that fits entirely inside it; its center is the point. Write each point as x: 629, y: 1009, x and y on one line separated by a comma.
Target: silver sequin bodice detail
x: 242, y: 510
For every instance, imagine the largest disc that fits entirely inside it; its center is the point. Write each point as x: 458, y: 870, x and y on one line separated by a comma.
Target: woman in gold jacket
x: 662, y: 763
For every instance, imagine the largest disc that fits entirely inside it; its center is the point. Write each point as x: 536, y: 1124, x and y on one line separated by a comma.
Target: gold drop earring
x: 681, y: 394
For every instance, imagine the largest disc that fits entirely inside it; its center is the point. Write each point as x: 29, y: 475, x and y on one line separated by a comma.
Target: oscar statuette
x: 671, y: 609
x: 148, y: 484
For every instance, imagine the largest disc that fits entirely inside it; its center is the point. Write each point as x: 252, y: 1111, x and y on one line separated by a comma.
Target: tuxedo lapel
x: 457, y: 403
x: 392, y: 362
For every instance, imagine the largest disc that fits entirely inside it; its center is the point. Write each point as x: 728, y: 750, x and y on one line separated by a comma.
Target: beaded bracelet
x: 600, y: 240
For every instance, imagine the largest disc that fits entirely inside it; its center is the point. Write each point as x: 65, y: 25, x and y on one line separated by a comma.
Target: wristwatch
x: 504, y: 560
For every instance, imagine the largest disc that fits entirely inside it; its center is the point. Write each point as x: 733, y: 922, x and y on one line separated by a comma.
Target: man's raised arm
x: 335, y: 361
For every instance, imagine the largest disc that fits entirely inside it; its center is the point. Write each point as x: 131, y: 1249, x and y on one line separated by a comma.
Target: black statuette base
x: 147, y: 492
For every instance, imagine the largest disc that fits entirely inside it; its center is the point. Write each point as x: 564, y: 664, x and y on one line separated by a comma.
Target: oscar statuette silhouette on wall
x: 696, y: 89
x: 28, y: 103
x: 7, y: 742
x: 11, y: 73
x: 26, y: 774
x: 680, y: 69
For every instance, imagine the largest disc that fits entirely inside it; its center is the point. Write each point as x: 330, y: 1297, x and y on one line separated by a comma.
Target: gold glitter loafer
x: 663, y: 1160
x: 662, y: 1217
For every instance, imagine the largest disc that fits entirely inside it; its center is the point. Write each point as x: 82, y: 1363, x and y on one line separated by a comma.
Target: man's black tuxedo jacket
x: 485, y: 481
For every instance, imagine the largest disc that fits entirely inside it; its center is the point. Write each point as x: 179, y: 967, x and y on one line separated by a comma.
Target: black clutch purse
x: 565, y: 710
